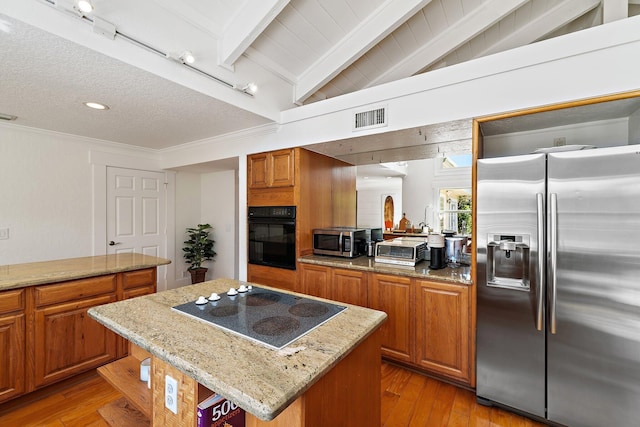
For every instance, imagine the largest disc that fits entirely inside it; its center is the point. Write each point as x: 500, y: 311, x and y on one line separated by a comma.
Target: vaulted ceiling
x: 296, y: 51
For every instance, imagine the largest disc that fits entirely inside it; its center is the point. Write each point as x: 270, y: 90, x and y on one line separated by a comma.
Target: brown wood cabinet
x: 281, y: 278
x: 395, y: 296
x: 429, y: 324
x: 346, y: 286
x: 442, y: 328
x: 315, y: 280
x: 138, y: 283
x: 46, y: 334
x: 12, y: 343
x: 272, y: 169
x: 66, y: 340
x: 349, y: 286
x: 322, y: 188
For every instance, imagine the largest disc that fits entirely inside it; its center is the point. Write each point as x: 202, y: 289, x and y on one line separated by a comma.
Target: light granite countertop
x: 258, y: 379
x: 461, y: 275
x: 36, y: 273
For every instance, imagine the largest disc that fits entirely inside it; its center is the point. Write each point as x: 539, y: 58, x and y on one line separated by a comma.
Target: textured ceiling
x: 49, y: 79
x: 297, y: 51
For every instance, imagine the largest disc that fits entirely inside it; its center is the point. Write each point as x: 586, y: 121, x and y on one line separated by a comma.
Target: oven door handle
x: 279, y: 221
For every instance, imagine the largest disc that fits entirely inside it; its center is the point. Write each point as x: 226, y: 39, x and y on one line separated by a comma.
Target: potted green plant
x: 198, y: 248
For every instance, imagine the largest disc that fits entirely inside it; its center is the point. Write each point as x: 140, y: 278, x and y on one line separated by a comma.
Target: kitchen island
x: 330, y: 376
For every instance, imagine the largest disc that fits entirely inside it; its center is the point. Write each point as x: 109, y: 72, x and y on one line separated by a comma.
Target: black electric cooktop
x: 272, y: 318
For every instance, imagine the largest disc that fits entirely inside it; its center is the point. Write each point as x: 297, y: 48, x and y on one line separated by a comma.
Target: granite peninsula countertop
x: 37, y: 273
x: 461, y: 275
x: 260, y: 380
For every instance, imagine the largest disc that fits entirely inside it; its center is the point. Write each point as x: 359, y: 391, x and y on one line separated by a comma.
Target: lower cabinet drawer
x: 75, y: 290
x: 11, y: 301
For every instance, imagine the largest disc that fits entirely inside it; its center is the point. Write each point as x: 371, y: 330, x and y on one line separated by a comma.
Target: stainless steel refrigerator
x: 558, y: 239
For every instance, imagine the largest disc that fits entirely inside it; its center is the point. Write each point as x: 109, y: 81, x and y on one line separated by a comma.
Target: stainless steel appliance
x: 558, y: 292
x: 374, y: 234
x: 401, y: 251
x: 272, y: 236
x: 347, y: 242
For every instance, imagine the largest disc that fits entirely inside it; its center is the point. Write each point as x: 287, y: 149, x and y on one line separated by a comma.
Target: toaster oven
x: 401, y: 251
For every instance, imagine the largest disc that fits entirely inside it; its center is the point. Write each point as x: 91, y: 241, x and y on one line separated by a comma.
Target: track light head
x: 249, y: 88
x: 84, y: 6
x: 186, y: 57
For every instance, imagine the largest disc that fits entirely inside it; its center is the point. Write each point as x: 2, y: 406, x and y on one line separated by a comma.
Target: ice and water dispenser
x: 508, y: 261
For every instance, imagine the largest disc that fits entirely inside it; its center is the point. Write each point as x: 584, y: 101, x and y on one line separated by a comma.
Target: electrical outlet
x: 559, y: 142
x: 4, y: 233
x: 171, y: 394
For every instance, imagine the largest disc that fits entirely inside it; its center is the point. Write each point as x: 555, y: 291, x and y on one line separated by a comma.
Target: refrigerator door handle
x: 540, y: 264
x: 553, y: 241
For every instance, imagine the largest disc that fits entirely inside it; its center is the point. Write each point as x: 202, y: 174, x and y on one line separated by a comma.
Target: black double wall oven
x: 272, y: 236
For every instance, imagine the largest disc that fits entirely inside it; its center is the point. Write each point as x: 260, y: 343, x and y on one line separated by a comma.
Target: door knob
x: 112, y: 243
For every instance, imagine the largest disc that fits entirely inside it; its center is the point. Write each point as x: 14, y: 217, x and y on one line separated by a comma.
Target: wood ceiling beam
x: 242, y: 30
x: 474, y: 23
x: 384, y: 20
x: 556, y: 17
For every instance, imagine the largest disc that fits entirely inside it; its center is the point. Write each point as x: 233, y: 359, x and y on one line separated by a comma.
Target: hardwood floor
x: 411, y: 399
x: 408, y: 399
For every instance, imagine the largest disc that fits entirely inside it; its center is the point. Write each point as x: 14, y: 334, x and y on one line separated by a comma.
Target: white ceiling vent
x: 369, y: 119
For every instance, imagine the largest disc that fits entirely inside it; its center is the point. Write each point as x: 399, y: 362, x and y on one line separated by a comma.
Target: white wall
x: 370, y: 201
x: 219, y: 196
x: 45, y: 188
x: 208, y: 198
x: 188, y: 213
x: 417, y: 191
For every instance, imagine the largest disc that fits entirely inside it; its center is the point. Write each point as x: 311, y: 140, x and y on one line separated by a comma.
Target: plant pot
x: 197, y: 274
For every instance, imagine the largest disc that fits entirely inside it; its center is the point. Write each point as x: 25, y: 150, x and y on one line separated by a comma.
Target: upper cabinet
x: 272, y: 169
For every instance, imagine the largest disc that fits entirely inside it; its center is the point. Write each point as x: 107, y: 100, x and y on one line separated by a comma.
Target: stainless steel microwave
x: 348, y: 242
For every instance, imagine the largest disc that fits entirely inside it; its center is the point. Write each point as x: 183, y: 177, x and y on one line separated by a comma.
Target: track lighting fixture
x: 100, y: 26
x: 249, y: 88
x: 186, y: 57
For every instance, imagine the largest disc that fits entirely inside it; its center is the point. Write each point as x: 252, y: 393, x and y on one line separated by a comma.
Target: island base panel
x: 349, y: 394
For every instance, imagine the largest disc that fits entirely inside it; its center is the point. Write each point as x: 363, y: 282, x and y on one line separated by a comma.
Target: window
x: 454, y: 165
x: 454, y: 209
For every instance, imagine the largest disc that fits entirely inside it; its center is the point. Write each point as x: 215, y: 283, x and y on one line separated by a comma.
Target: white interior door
x: 136, y: 214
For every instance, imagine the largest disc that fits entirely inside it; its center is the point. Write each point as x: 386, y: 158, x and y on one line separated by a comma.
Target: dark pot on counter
x: 438, y: 255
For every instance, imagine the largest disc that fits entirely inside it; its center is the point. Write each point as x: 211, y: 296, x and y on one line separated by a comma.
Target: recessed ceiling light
x: 96, y: 105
